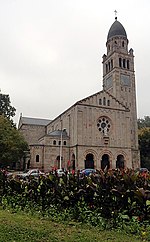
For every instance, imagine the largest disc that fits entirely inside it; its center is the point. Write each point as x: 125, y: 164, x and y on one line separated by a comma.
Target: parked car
x: 142, y: 171
x: 30, y: 173
x: 87, y: 172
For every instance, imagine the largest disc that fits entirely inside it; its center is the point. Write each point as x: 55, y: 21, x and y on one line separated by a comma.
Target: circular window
x: 104, y: 125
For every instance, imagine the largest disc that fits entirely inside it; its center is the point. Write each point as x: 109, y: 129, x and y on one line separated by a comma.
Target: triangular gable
x: 103, y: 99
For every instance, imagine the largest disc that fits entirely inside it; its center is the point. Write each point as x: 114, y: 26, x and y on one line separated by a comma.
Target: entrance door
x: 105, y: 164
x: 89, y: 162
x: 120, y: 161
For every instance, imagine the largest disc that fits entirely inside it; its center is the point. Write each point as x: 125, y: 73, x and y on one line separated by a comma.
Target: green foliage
x: 5, y: 106
x: 144, y: 146
x: 114, y: 196
x: 110, y: 200
x: 143, y: 123
x: 12, y: 143
x: 24, y: 227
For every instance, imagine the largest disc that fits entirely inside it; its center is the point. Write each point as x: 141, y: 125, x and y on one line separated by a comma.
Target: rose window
x: 104, y: 125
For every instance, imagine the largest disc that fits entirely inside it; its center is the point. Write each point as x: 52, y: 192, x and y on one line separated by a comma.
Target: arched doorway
x: 120, y: 161
x: 105, y: 162
x: 89, y: 162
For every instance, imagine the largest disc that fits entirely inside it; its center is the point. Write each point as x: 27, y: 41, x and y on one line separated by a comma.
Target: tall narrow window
x: 106, y: 68
x: 128, y: 67
x: 111, y: 64
x: 108, y: 102
x: 124, y: 63
x: 122, y: 43
x: 104, y: 101
x: 120, y: 62
x: 54, y: 142
x: 100, y: 101
x: 37, y: 158
x: 65, y: 142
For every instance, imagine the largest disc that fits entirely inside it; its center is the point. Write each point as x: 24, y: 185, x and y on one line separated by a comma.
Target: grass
x: 23, y: 227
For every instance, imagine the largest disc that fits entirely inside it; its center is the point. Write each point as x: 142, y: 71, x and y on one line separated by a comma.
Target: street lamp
x: 61, y: 139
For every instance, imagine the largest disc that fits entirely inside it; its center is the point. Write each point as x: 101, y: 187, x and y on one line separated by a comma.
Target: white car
x: 30, y: 173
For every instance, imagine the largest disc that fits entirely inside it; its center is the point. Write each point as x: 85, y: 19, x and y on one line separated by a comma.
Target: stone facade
x: 99, y: 131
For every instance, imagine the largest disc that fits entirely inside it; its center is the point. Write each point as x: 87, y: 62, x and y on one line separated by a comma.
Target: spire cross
x: 115, y: 14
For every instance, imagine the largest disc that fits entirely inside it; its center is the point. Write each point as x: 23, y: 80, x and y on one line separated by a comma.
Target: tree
x: 144, y: 122
x: 5, y: 106
x: 144, y: 146
x: 12, y: 144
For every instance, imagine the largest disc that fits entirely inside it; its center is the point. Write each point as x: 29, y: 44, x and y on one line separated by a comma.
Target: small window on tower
x: 104, y: 101
x: 120, y: 62
x: 54, y: 142
x: 108, y: 102
x: 124, y: 63
x: 106, y: 68
x: 128, y: 64
x: 122, y: 43
x: 111, y: 64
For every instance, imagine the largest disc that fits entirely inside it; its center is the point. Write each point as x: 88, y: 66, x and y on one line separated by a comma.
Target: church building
x: 99, y: 131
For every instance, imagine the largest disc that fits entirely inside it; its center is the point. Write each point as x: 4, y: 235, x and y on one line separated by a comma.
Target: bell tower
x: 119, y: 76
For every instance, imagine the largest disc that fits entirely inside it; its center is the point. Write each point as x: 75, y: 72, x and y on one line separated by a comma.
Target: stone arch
x: 89, y: 161
x: 105, y: 162
x: 120, y: 162
x: 106, y: 159
x: 121, y: 157
x: 92, y: 157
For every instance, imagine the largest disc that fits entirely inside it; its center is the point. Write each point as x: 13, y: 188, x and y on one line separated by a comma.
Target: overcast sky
x: 51, y: 51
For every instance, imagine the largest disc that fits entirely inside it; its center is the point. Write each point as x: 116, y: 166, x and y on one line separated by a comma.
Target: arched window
x: 128, y: 67
x: 120, y: 62
x: 122, y: 43
x: 65, y: 142
x: 105, y: 163
x: 124, y: 63
x: 120, y: 161
x: 111, y: 63
x: 104, y: 101
x: 100, y: 101
x: 108, y: 102
x: 54, y: 142
x: 37, y: 158
x: 89, y: 162
x: 106, y: 68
